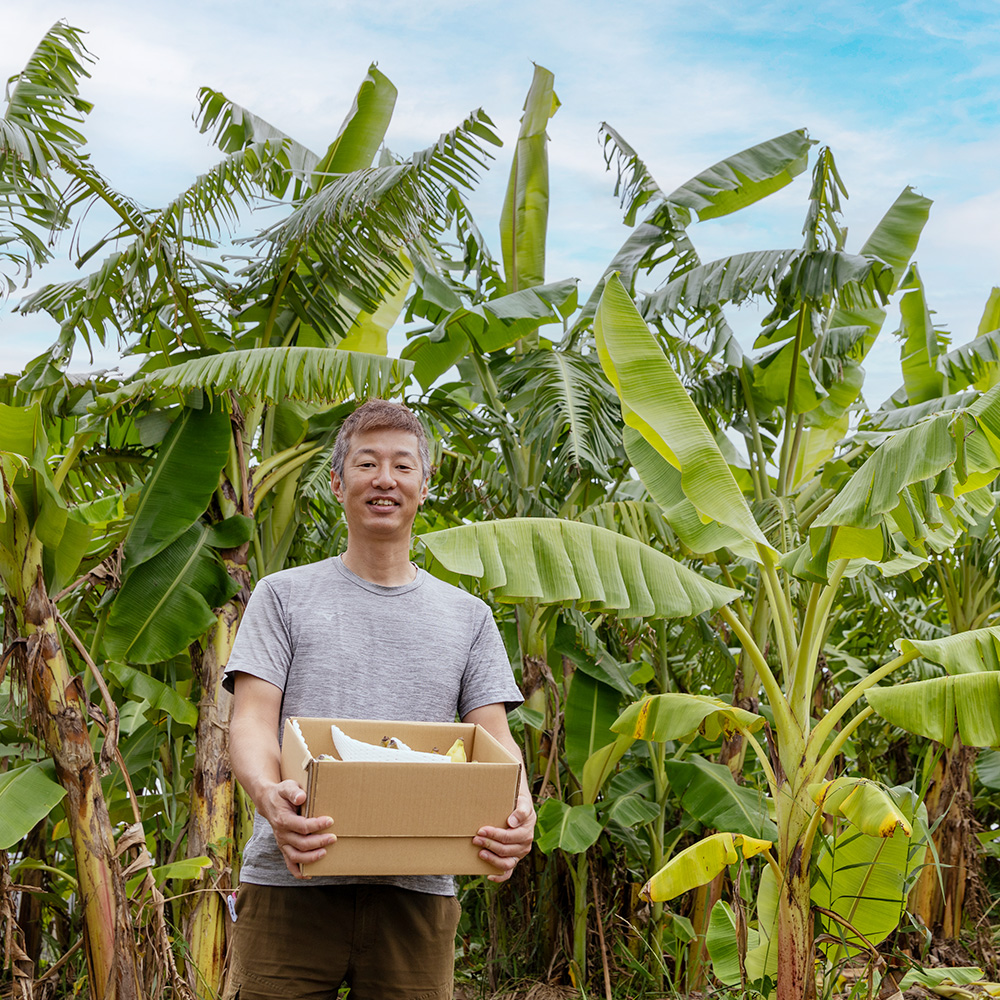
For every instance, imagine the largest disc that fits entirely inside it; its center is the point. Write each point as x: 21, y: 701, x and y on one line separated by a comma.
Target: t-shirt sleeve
x: 488, y: 679
x: 263, y: 645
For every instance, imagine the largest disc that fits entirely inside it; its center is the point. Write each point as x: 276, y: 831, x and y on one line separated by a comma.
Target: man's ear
x: 426, y: 489
x: 337, y: 486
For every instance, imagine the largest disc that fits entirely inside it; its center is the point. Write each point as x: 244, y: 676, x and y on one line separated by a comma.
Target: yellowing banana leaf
x: 962, y: 653
x: 868, y: 806
x: 699, y: 864
x: 525, y: 213
x: 27, y: 796
x: 570, y: 828
x: 556, y: 561
x: 968, y: 704
x: 674, y: 716
x: 656, y: 404
x: 864, y: 878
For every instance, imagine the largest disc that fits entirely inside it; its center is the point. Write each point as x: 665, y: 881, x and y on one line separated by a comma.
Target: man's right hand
x: 301, y: 840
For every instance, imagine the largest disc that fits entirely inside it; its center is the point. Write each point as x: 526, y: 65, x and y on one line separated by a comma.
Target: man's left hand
x: 504, y: 848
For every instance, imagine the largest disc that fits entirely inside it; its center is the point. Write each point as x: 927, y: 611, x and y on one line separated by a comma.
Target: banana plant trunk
x: 55, y: 695
x: 949, y: 812
x: 796, y: 963
x: 213, y: 792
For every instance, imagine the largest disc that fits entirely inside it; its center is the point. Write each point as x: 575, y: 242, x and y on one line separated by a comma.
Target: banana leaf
x: 962, y: 653
x: 166, y: 602
x: 181, y: 482
x: 699, y: 864
x: 868, y: 806
x: 708, y: 792
x: 590, y: 709
x: 674, y: 716
x: 524, y: 217
x: 967, y: 705
x: 570, y: 828
x: 655, y: 403
x: 555, y: 561
x: 865, y: 879
x: 27, y: 796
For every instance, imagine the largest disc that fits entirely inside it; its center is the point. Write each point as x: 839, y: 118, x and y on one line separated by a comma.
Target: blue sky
x: 904, y: 93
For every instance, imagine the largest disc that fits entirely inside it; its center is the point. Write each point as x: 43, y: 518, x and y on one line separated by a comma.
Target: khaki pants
x: 384, y: 942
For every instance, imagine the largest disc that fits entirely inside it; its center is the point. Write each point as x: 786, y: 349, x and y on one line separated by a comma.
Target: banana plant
x: 37, y: 526
x: 946, y: 454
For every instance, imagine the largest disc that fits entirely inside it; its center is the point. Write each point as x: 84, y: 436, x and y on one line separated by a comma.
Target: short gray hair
x: 379, y: 415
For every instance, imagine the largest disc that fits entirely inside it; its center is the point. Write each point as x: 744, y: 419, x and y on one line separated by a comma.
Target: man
x: 364, y: 635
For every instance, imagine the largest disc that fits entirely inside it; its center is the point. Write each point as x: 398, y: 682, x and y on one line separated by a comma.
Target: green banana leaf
x: 663, y: 481
x: 709, y: 793
x: 865, y: 879
x: 655, y: 403
x: 369, y: 333
x: 973, y: 363
x: 725, y: 187
x: 166, y: 602
x: 894, y: 240
x: 920, y: 345
x: 525, y: 213
x: 555, y: 561
x: 181, y: 482
x: 601, y: 765
x: 272, y: 375
x: 722, y: 941
x: 363, y: 131
x: 27, y: 796
x: 187, y: 868
x: 629, y: 799
x: 962, y: 653
x: 967, y: 442
x: 154, y: 694
x: 815, y: 276
x: 674, y: 716
x: 576, y: 639
x: 589, y: 712
x: 967, y: 705
x: 570, y: 828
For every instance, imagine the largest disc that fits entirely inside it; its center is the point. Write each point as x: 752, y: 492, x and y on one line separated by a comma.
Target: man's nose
x: 384, y: 476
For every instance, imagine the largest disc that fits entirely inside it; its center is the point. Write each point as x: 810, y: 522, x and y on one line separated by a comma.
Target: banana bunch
x: 391, y: 750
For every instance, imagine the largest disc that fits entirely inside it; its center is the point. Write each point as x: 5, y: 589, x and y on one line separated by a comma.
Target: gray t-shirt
x: 339, y: 646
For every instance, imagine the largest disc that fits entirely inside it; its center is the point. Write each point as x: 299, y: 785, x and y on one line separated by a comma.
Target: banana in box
x: 398, y: 814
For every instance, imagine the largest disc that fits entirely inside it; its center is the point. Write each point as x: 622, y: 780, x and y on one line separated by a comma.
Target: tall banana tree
x: 330, y: 273
x: 947, y: 452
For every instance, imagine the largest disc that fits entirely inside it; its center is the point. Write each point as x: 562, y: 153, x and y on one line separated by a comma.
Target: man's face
x: 383, y: 484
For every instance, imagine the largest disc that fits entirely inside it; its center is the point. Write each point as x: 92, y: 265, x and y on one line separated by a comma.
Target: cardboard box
x: 402, y: 818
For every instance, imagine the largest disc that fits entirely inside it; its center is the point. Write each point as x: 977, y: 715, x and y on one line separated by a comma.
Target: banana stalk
x: 55, y: 695
x: 210, y: 830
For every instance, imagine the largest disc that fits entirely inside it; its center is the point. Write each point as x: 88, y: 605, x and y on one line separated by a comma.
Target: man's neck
x: 388, y: 567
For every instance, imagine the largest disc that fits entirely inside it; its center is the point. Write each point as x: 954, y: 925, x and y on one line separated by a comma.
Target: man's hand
x: 504, y: 848
x: 300, y: 840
